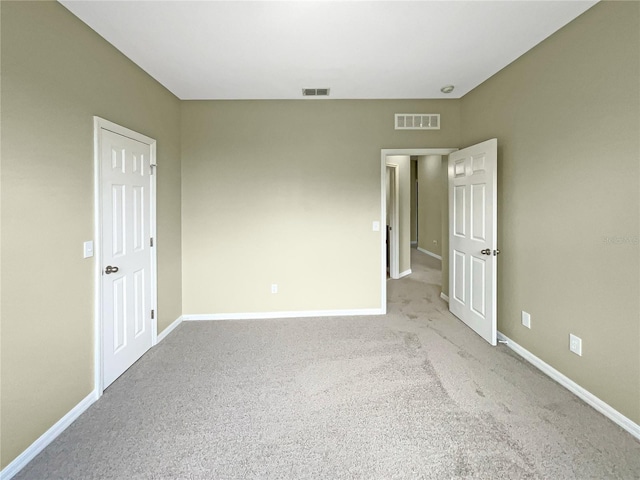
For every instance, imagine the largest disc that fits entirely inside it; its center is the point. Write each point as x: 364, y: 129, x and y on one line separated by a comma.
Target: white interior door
x: 127, y: 279
x: 473, y: 237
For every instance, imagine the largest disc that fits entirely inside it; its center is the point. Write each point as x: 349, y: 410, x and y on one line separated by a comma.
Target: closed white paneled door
x: 126, y: 259
x: 473, y: 246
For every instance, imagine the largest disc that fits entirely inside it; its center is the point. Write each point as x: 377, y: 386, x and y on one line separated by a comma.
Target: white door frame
x: 98, y: 125
x: 394, y: 234
x: 383, y: 206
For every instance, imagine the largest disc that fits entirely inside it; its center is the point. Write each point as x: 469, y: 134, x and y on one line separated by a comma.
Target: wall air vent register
x: 315, y: 92
x: 417, y: 121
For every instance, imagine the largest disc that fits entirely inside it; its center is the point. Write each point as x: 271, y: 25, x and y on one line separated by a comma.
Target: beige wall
x: 567, y: 119
x: 57, y: 74
x: 285, y: 192
x: 430, y: 195
x: 444, y: 222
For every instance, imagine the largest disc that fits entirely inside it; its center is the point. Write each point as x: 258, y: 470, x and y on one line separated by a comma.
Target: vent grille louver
x: 417, y: 121
x: 315, y: 92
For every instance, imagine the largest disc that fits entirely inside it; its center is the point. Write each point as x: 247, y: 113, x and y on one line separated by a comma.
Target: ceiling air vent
x: 417, y: 121
x: 315, y: 92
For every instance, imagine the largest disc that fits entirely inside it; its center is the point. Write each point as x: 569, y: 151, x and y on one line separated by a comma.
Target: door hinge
x: 151, y: 242
x: 153, y: 166
x: 153, y: 314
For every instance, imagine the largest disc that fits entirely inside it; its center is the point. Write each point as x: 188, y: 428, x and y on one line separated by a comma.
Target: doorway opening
x: 430, y: 206
x: 400, y: 249
x: 471, y: 221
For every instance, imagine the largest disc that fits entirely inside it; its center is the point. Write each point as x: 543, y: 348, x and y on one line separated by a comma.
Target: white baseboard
x: 268, y: 315
x: 429, y: 253
x: 47, y: 437
x: 444, y: 297
x: 169, y: 329
x: 580, y: 392
x: 405, y: 273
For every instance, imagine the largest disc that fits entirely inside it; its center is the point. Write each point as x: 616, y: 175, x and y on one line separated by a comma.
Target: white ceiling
x: 358, y: 49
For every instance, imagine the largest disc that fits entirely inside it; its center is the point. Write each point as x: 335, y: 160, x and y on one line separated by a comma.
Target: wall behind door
x: 430, y: 203
x: 285, y: 192
x: 444, y: 222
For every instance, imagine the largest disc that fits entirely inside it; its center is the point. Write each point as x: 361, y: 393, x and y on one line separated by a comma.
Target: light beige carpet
x: 410, y: 395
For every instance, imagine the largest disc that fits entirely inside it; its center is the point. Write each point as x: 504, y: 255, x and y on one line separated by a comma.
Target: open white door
x: 473, y: 236
x: 128, y: 283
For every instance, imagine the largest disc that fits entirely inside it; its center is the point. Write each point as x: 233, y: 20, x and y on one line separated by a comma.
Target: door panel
x: 139, y: 302
x: 126, y: 225
x: 459, y: 211
x: 139, y: 234
x: 119, y: 321
x: 478, y: 210
x: 478, y: 290
x: 473, y: 237
x: 459, y: 277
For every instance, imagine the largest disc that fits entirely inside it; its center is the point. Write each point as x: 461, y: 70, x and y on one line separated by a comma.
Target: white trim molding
x: 429, y: 253
x: 444, y: 297
x: 405, y: 273
x: 162, y: 335
x: 269, y: 315
x: 580, y: 392
x: 47, y: 437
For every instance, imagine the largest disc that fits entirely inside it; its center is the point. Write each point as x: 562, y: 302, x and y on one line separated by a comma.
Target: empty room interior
x: 293, y: 307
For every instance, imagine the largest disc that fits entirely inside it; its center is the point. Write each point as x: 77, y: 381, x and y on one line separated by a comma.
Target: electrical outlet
x: 575, y: 344
x: 274, y: 288
x: 435, y: 242
x: 526, y: 319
